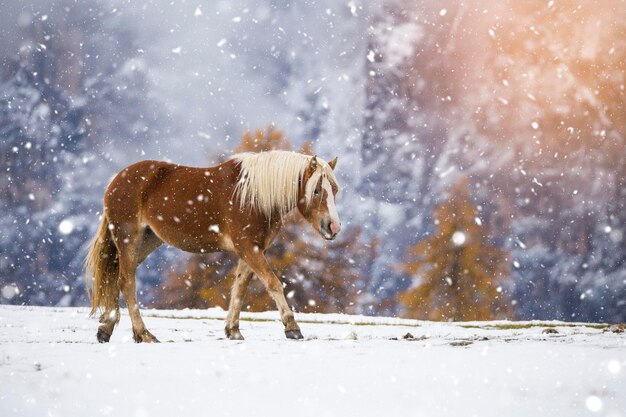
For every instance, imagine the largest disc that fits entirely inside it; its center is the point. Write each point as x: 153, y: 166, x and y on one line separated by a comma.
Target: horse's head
x: 316, y: 198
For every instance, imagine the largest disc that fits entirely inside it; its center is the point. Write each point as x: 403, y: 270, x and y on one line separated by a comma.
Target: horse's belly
x: 192, y: 239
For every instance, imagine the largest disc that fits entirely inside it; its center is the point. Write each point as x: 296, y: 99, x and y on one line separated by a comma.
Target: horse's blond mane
x: 269, y: 180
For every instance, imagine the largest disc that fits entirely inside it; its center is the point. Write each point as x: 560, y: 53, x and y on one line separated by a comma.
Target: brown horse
x: 236, y: 206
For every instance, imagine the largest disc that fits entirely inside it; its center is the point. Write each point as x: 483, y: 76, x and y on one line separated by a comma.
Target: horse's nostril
x: 326, y: 227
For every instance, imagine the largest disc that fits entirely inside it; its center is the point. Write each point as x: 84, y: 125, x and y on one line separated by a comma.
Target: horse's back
x: 187, y: 207
x: 128, y: 188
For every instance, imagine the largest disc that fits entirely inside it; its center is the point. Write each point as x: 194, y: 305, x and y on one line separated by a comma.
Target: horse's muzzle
x: 329, y: 229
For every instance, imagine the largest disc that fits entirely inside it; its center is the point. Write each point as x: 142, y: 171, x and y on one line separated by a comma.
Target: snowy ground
x: 50, y: 365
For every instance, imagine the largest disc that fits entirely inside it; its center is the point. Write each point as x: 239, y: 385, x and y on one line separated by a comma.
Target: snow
x: 458, y: 238
x: 51, y: 365
x: 594, y: 403
x: 66, y: 226
x: 9, y: 291
x: 399, y: 42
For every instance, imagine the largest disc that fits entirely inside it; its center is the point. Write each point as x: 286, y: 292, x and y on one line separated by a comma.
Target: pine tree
x: 43, y: 137
x: 564, y: 89
x: 66, y: 100
x: 536, y: 118
x: 459, y: 273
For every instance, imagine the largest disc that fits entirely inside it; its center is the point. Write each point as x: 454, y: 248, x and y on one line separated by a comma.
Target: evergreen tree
x: 559, y: 81
x: 43, y: 135
x: 459, y: 273
x: 535, y: 118
x: 66, y: 103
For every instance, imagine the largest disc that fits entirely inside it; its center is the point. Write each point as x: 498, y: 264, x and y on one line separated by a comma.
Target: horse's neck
x: 268, y: 191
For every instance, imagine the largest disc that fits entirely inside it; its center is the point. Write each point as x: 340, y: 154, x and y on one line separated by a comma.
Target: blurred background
x: 481, y: 146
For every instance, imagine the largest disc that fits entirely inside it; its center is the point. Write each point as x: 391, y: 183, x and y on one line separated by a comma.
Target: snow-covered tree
x: 553, y: 98
x: 528, y: 103
x: 68, y: 104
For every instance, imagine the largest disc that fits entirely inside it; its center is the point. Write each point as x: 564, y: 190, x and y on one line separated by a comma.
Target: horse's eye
x: 316, y: 192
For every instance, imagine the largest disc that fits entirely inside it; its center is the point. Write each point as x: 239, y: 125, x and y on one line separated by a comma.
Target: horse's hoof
x: 233, y: 334
x: 145, y: 337
x: 294, y: 334
x: 102, y: 336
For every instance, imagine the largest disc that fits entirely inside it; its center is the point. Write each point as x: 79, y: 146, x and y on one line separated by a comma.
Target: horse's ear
x: 312, y: 165
x: 333, y: 163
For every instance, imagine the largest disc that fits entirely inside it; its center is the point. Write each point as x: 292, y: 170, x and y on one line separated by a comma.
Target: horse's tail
x: 101, y: 268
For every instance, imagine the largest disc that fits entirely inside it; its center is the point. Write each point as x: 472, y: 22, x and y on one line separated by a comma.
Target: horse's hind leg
x: 133, y: 249
x: 243, y: 274
x: 129, y: 290
x: 108, y: 321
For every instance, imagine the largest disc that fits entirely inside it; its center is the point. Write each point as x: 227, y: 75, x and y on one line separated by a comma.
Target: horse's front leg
x: 243, y: 275
x: 257, y: 262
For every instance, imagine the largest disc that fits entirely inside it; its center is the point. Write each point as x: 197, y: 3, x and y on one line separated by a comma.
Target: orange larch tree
x: 458, y: 273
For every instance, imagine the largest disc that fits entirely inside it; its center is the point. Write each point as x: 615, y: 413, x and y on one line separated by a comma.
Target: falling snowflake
x: 593, y: 403
x: 66, y: 227
x: 458, y: 238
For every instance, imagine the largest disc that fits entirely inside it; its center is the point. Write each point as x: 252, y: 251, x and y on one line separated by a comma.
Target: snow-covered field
x: 51, y: 365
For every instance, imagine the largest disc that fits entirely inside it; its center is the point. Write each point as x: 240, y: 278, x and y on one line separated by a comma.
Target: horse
x: 237, y: 206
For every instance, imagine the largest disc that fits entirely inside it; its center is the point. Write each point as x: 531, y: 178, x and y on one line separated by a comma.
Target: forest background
x: 481, y: 146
